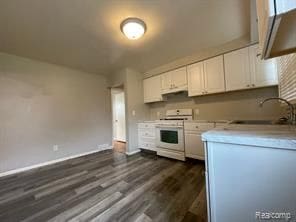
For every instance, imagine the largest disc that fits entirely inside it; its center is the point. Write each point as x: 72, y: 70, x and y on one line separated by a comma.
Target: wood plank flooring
x: 119, y: 146
x: 107, y: 186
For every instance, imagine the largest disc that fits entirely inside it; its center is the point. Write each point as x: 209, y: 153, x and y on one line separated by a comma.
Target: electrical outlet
x: 55, y: 148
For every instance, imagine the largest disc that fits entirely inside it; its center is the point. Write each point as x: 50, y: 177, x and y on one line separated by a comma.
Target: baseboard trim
x: 19, y: 170
x: 133, y: 152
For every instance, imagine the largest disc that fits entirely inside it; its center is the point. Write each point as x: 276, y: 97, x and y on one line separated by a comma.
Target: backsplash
x: 226, y: 106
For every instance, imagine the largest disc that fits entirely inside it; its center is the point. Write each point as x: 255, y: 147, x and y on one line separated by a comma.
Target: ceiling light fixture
x: 133, y: 28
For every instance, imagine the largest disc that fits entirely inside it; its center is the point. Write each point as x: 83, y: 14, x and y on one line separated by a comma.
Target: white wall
x: 42, y: 105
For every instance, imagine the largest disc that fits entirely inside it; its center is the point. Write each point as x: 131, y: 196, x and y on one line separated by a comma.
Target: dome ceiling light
x: 133, y: 28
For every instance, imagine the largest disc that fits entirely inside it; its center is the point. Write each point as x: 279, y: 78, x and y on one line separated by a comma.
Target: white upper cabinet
x: 166, y: 82
x: 245, y: 69
x: 195, y: 79
x: 174, y: 81
x: 179, y: 78
x: 152, y: 89
x: 276, y: 27
x: 263, y: 72
x: 214, y: 75
x: 237, y: 70
x: 206, y: 77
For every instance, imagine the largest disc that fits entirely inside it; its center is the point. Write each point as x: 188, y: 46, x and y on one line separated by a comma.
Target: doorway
x: 118, y: 119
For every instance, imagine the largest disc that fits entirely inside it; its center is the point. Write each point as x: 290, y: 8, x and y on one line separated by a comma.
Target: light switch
x: 134, y: 112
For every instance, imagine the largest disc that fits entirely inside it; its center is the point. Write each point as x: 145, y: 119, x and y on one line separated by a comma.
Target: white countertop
x: 273, y: 136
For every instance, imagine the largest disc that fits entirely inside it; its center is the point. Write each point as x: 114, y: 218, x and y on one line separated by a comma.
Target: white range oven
x: 170, y: 134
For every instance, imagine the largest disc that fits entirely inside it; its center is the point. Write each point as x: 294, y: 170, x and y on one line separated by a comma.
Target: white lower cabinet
x: 243, y: 180
x: 146, y: 136
x: 194, y: 147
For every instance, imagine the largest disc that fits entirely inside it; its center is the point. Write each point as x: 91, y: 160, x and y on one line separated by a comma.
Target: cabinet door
x: 166, y: 82
x: 194, y: 147
x: 214, y: 75
x: 263, y: 72
x: 237, y: 69
x: 265, y: 14
x: 152, y: 89
x: 195, y: 74
x: 179, y: 78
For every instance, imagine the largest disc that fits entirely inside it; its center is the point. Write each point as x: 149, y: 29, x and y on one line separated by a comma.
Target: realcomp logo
x: 273, y: 216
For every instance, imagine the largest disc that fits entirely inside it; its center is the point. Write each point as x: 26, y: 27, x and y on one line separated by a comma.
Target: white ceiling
x: 85, y: 34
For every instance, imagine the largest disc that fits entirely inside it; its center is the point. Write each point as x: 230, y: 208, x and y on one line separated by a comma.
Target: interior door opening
x: 118, y: 119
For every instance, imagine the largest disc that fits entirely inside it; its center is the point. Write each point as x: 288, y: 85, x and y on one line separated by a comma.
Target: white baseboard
x: 19, y: 170
x: 133, y: 152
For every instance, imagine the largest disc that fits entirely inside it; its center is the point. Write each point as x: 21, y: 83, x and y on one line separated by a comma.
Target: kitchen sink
x: 259, y: 122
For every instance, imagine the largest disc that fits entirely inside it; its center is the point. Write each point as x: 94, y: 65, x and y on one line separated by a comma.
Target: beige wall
x: 42, y: 105
x: 135, y: 102
x: 227, y: 106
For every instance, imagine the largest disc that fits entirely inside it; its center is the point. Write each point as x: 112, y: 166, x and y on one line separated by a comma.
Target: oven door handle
x: 171, y: 127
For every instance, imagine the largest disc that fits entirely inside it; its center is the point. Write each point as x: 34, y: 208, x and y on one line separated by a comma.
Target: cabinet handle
x: 248, y: 85
x: 253, y: 85
x: 259, y: 54
x: 196, y: 127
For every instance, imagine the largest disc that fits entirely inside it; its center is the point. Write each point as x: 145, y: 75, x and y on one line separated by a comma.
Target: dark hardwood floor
x: 107, y: 186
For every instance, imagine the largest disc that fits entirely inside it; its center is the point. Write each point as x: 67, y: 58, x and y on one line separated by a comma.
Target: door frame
x: 115, y: 90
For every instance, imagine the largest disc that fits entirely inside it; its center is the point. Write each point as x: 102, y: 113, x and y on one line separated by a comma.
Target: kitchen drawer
x: 150, y: 132
x: 149, y: 146
x: 193, y: 126
x: 147, y: 140
x: 146, y: 125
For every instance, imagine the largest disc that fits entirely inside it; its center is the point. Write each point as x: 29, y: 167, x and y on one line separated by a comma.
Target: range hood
x: 277, y: 27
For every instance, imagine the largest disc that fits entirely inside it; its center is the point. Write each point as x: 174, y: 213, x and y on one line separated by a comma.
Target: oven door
x: 170, y: 137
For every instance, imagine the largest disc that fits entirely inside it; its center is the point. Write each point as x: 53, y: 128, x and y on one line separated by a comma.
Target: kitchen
x: 147, y: 110
x: 234, y: 144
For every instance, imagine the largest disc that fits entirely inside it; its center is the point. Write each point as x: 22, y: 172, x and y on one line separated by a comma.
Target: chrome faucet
x: 292, y: 114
